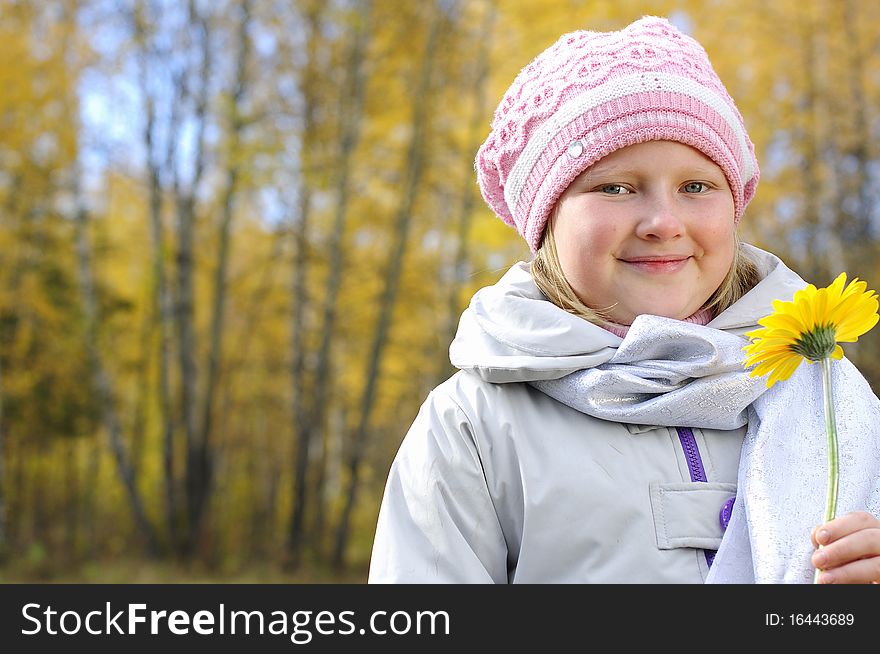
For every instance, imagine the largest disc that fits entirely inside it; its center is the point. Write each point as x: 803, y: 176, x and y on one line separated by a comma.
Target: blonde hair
x: 550, y: 278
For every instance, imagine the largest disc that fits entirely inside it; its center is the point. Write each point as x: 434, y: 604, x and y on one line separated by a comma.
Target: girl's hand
x: 850, y: 552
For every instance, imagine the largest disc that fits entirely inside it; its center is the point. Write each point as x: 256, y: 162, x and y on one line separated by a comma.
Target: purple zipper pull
x: 695, y: 468
x: 726, y: 512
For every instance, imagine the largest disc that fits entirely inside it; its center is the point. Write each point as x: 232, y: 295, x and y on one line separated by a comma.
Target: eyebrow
x: 598, y: 170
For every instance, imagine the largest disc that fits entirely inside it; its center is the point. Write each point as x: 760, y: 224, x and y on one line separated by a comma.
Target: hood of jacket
x: 511, y: 332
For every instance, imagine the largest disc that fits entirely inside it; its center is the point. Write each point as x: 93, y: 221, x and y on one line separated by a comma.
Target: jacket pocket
x: 687, y: 514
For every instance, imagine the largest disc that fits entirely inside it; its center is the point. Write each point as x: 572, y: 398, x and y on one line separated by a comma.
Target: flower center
x: 816, y: 344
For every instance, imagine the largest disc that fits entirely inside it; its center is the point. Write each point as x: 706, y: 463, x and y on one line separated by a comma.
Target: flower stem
x: 831, y: 434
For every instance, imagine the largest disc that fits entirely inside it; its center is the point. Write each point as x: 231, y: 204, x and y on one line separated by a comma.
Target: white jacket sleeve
x: 437, y: 522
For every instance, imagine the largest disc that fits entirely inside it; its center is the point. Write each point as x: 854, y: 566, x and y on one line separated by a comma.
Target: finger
x: 863, y: 571
x: 838, y: 528
x: 859, y: 545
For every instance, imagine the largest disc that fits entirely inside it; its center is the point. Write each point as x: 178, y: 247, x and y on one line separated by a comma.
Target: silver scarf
x: 665, y: 372
x: 673, y: 373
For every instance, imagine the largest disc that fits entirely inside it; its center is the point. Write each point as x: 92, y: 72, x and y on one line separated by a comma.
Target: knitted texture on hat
x: 592, y: 93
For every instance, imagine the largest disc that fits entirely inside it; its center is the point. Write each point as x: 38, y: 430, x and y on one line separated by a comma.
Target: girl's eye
x: 695, y: 187
x: 613, y: 189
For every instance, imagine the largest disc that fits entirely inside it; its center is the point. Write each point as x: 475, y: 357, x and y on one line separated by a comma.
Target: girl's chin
x: 663, y: 312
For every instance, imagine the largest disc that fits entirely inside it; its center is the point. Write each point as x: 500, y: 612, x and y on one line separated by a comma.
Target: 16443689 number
x: 822, y: 619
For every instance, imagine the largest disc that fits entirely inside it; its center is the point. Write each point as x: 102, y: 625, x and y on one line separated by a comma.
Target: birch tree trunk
x: 312, y: 415
x: 161, y: 299
x: 218, y: 310
x: 862, y: 249
x: 103, y: 381
x: 299, y: 286
x: 70, y: 467
x: 860, y: 149
x: 475, y: 130
x: 196, y: 474
x: 814, y: 267
x: 413, y: 173
x: 4, y: 530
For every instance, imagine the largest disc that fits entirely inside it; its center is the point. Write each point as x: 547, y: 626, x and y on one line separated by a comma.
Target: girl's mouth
x: 657, y: 265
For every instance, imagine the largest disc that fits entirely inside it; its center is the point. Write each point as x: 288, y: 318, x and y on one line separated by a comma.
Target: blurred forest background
x: 236, y: 237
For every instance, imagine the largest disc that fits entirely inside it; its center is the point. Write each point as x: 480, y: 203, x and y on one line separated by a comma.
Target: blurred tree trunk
x: 844, y: 230
x: 6, y: 505
x: 4, y: 530
x: 814, y: 267
x: 90, y: 492
x: 312, y: 414
x: 218, y: 310
x: 274, y: 468
x: 102, y: 380
x: 327, y: 483
x: 465, y: 214
x: 862, y: 134
x: 40, y: 483
x: 70, y: 466
x: 161, y: 301
x: 403, y: 220
x: 196, y: 473
x: 299, y: 291
x: 861, y: 248
x: 142, y: 394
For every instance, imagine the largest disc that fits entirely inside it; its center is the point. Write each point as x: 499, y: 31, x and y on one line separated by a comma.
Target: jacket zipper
x: 695, y: 467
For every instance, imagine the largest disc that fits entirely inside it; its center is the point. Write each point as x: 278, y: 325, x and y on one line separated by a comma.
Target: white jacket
x: 496, y: 482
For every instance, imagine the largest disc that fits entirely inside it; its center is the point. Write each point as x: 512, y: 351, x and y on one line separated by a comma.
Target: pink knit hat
x: 592, y: 93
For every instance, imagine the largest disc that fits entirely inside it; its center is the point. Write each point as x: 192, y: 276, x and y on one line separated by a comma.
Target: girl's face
x: 647, y: 229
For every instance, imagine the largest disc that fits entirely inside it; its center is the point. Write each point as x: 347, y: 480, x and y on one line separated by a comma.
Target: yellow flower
x: 810, y: 327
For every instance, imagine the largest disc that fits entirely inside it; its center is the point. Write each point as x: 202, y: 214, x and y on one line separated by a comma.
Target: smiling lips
x: 667, y: 264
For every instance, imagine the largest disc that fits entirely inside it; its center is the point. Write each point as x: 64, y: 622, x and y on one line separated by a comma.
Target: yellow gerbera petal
x: 805, y: 300
x: 772, y: 364
x: 784, y: 371
x: 769, y: 342
x: 839, y: 313
x: 850, y: 332
x: 860, y: 317
x: 782, y: 321
x: 810, y: 327
x: 836, y: 288
x: 769, y: 356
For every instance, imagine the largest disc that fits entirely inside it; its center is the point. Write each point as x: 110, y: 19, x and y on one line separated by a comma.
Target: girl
x: 602, y: 428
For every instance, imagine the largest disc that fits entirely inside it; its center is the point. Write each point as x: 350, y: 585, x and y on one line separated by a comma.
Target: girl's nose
x: 659, y: 220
